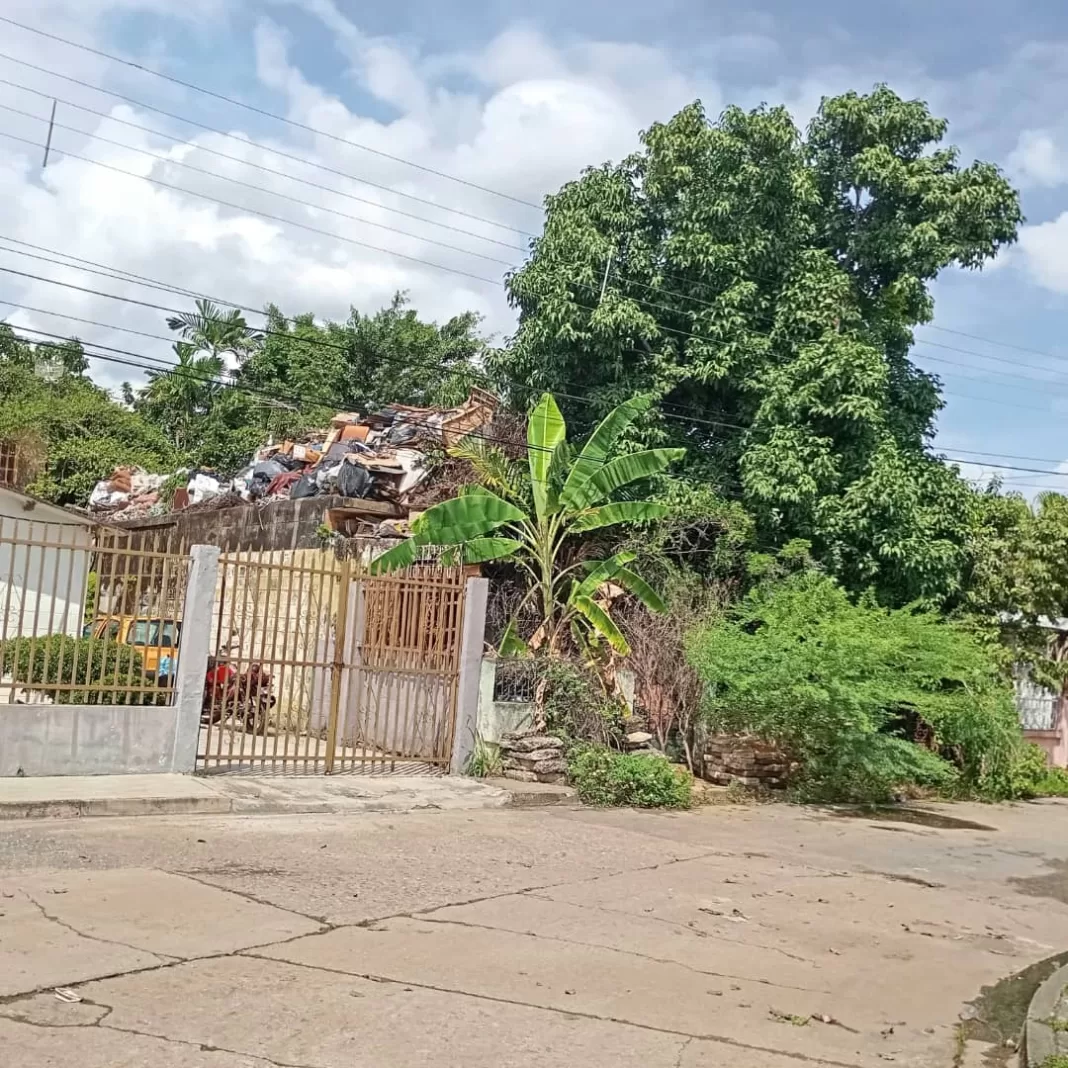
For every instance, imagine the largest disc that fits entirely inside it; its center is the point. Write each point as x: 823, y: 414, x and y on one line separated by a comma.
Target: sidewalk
x: 162, y: 795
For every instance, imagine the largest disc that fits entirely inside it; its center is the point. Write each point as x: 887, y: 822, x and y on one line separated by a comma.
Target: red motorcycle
x: 244, y: 696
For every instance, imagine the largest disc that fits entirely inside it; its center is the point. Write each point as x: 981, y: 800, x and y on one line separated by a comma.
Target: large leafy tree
x: 534, y: 514
x: 761, y: 287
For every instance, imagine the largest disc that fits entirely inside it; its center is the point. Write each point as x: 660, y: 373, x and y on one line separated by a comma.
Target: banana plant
x: 529, y: 513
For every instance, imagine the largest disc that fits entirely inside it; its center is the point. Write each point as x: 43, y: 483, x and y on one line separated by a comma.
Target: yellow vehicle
x: 155, y: 639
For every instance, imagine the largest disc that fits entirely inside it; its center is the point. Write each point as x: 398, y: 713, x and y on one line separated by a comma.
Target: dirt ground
x: 755, y: 937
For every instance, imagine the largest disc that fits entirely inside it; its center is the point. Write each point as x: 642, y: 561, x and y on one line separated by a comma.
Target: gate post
x: 193, y: 649
x: 465, y: 722
x: 337, y: 669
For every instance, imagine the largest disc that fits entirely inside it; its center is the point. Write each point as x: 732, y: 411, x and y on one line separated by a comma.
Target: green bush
x: 603, y: 776
x: 576, y: 705
x: 1031, y: 776
x: 870, y: 700
x: 58, y: 660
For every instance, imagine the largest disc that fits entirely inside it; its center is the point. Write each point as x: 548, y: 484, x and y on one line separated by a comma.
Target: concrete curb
x: 114, y: 806
x: 1040, y: 1040
x: 246, y: 799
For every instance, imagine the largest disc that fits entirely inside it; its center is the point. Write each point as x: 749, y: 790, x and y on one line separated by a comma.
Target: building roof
x: 40, y: 511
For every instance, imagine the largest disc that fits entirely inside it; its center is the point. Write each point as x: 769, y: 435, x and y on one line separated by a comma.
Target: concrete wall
x: 498, y: 718
x: 276, y: 525
x: 42, y: 588
x: 52, y: 739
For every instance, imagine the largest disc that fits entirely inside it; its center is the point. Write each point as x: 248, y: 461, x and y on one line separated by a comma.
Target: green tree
x: 850, y: 688
x: 82, y: 433
x: 368, y: 361
x: 534, y: 514
x: 179, y: 400
x: 763, y: 285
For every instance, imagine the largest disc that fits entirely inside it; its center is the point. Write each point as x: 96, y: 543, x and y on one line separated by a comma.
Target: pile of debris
x: 533, y: 758
x: 380, y: 457
x: 131, y: 493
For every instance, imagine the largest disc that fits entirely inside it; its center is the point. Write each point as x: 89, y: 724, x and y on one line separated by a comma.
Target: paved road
x: 765, y: 937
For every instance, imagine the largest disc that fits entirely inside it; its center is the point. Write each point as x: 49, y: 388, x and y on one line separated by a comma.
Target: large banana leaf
x: 602, y: 623
x: 545, y: 431
x: 641, y: 589
x: 464, y: 518
x: 479, y: 550
x: 620, y: 512
x: 595, y: 452
x: 403, y: 555
x: 511, y: 643
x: 600, y: 572
x: 621, y: 472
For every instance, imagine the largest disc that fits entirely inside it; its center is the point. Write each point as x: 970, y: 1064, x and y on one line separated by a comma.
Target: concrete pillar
x: 476, y: 596
x: 193, y: 655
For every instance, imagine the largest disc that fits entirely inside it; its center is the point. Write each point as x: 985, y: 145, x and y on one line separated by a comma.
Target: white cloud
x: 1043, y: 249
x: 1037, y: 159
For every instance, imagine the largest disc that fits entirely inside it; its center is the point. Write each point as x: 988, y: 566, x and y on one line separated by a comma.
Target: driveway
x: 759, y: 937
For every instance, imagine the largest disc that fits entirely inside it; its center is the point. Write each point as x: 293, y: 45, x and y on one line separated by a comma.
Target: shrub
x: 1032, y: 777
x: 52, y: 661
x: 605, y: 777
x: 576, y: 705
x: 869, y: 699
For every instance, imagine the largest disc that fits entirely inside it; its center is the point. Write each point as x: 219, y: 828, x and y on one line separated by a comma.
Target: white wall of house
x: 42, y: 586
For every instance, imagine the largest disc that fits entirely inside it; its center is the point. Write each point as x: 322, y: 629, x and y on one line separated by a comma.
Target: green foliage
x: 46, y: 663
x: 603, y: 776
x: 768, y: 281
x: 848, y: 687
x: 575, y: 704
x: 540, y: 510
x: 1032, y: 776
x: 484, y: 761
x: 84, y: 434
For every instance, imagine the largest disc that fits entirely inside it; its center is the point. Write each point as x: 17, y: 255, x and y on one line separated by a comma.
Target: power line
x: 261, y: 214
x: 246, y: 142
x: 257, y: 188
x: 680, y: 413
x: 234, y: 159
x: 269, y: 114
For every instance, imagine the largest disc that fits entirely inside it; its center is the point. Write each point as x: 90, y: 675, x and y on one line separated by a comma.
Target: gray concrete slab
x: 756, y: 937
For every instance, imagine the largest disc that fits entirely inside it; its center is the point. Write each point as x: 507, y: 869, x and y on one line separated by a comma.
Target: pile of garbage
x: 380, y: 456
x: 131, y: 493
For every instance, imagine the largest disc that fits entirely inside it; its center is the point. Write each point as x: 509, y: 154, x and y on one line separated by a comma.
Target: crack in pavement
x: 616, y: 949
x: 163, y: 957
x: 696, y: 932
x: 372, y: 977
x: 202, y: 1047
x: 682, y: 1052
x: 247, y: 896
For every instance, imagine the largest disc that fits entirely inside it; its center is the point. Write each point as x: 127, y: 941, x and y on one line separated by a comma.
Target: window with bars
x: 9, y: 464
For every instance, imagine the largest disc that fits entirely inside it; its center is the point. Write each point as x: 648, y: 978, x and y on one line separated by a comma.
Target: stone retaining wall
x: 730, y: 758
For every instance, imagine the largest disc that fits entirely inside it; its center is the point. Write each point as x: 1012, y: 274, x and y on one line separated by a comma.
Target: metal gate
x: 318, y: 666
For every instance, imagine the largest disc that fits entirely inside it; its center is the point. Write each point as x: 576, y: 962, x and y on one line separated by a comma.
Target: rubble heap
x: 533, y: 758
x: 380, y: 456
x: 730, y: 758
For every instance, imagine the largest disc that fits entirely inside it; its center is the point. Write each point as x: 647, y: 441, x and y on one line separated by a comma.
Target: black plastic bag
x: 354, y: 481
x: 305, y: 486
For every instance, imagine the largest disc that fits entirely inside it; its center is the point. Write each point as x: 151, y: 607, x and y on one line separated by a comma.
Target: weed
x: 604, y: 777
x: 484, y: 761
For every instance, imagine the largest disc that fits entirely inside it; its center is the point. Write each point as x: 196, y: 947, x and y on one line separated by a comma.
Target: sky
x: 497, y: 104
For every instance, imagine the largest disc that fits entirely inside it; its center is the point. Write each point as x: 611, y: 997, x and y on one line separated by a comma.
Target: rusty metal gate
x: 318, y: 666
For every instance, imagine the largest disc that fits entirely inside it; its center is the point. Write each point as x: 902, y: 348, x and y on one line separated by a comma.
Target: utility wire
x: 233, y: 159
x: 231, y: 382
x: 259, y: 188
x: 679, y: 414
x: 261, y: 214
x: 247, y: 142
x: 269, y: 114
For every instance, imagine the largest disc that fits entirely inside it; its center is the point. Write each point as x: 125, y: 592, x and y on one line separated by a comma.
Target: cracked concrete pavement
x: 763, y: 937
